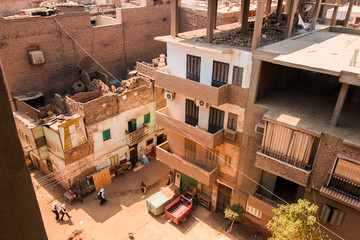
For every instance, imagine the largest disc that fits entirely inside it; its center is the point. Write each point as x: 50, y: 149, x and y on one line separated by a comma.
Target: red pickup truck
x: 178, y: 209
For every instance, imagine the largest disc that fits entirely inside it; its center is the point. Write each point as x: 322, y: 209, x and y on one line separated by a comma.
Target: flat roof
x: 330, y: 50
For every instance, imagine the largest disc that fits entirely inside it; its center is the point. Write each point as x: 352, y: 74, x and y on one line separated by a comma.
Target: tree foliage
x: 295, y: 221
x: 234, y: 213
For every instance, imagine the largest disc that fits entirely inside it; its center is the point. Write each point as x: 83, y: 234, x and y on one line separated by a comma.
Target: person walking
x: 77, y: 193
x: 101, y: 196
x: 54, y: 210
x: 143, y: 187
x: 64, y: 212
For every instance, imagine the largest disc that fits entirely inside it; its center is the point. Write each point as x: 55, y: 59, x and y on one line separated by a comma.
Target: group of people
x: 100, y: 195
x: 62, y: 211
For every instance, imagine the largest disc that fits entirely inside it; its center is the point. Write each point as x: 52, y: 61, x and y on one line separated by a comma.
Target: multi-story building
x: 267, y: 125
x: 95, y: 129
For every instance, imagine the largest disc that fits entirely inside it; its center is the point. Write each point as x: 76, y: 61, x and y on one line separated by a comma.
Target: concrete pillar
x: 334, y: 15
x: 287, y: 6
x: 20, y: 216
x: 268, y: 7
x: 254, y: 83
x: 215, y: 17
x: 339, y: 104
x: 174, y: 17
x: 315, y: 14
x: 214, y: 196
x: 258, y: 24
x: 348, y: 14
x: 279, y: 10
x: 210, y: 20
x: 245, y: 5
x: 290, y: 18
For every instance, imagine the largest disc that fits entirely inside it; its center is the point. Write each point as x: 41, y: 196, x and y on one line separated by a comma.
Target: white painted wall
x: 176, y: 110
x: 176, y: 55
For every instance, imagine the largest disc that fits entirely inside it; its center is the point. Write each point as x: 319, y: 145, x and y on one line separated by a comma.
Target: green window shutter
x: 106, y: 135
x: 324, y: 213
x: 132, y: 125
x: 147, y: 118
x: 337, y: 217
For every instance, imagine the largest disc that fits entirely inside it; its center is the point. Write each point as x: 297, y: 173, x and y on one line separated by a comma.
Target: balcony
x: 264, y: 204
x: 283, y: 166
x: 343, y: 190
x: 212, y: 95
x: 139, y: 134
x: 195, y: 171
x: 201, y: 136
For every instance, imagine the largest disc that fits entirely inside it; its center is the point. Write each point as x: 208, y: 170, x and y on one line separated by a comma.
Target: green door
x: 185, y: 179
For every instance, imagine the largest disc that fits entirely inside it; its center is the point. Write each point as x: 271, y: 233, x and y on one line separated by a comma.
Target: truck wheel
x: 183, y: 220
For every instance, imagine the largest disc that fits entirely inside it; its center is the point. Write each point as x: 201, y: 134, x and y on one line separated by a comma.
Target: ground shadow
x: 186, y: 226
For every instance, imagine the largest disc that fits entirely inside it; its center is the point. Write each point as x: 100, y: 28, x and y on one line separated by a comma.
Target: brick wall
x: 62, y: 56
x: 10, y: 7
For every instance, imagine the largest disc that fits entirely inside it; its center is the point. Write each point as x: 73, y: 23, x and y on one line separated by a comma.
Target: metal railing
x: 284, y: 158
x: 344, y: 185
x: 139, y: 134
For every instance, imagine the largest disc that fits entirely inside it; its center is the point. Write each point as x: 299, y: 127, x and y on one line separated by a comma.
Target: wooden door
x: 224, y: 196
x: 133, y: 155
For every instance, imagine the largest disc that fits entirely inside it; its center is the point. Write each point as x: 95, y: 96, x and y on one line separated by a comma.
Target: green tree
x: 234, y: 213
x: 295, y: 221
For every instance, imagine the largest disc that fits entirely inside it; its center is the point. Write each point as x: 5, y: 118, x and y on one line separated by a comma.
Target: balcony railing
x: 256, y: 193
x: 139, y: 134
x: 344, y: 185
x: 195, y: 170
x: 286, y: 159
x: 209, y: 140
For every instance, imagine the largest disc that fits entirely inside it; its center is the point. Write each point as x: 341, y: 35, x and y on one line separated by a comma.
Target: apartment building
x: 96, y: 129
x: 264, y: 124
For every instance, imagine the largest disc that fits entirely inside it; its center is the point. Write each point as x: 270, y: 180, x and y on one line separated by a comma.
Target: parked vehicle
x: 178, y: 209
x: 156, y: 203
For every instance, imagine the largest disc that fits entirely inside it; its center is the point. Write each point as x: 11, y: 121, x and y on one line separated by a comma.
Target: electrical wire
x: 186, y: 134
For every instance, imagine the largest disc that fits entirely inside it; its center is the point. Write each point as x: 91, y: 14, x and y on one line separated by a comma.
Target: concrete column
x: 245, y: 5
x: 210, y: 20
x: 258, y: 24
x: 279, y: 10
x: 215, y: 17
x: 20, y: 216
x: 348, y: 14
x: 334, y: 15
x: 174, y: 17
x: 268, y: 7
x: 315, y: 14
x: 290, y: 18
x: 339, y: 104
x: 287, y: 6
x: 254, y: 82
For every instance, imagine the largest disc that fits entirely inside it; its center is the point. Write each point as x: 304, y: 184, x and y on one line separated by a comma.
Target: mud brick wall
x: 100, y: 108
x: 10, y: 7
x: 329, y: 148
x: 62, y: 56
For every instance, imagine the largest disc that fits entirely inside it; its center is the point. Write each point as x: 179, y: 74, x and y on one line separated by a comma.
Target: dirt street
x: 125, y: 212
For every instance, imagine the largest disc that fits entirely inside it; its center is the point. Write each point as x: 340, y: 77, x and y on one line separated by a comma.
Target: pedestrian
x: 143, y: 187
x: 77, y: 193
x: 101, y: 196
x: 64, y: 212
x: 54, y: 210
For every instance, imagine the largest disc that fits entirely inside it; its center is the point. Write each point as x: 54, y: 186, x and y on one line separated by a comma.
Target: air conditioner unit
x: 230, y: 134
x: 259, y: 128
x: 36, y: 57
x: 202, y: 104
x: 169, y: 95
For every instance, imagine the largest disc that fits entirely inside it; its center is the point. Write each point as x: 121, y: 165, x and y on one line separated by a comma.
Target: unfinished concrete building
x: 95, y: 130
x: 244, y: 114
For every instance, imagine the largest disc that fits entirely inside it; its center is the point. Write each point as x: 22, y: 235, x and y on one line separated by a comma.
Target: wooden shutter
x: 220, y: 74
x: 193, y: 68
x: 337, y: 217
x: 324, y: 213
x: 237, y: 76
x: 216, y: 120
x: 132, y: 125
x: 191, y: 113
x: 147, y: 118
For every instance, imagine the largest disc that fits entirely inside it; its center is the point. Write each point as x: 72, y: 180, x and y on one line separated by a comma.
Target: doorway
x: 223, y: 198
x: 133, y: 155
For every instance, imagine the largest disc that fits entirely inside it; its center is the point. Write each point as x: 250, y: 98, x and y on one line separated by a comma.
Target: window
x: 212, y: 156
x: 132, y: 125
x: 114, y: 160
x: 237, y: 75
x: 49, y: 165
x: 220, y: 74
x: 147, y: 118
x: 216, y: 120
x: 332, y: 215
x: 253, y: 211
x: 191, y: 113
x: 193, y: 68
x: 232, y: 121
x: 106, y: 135
x: 190, y: 150
x: 150, y: 141
x: 227, y: 160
